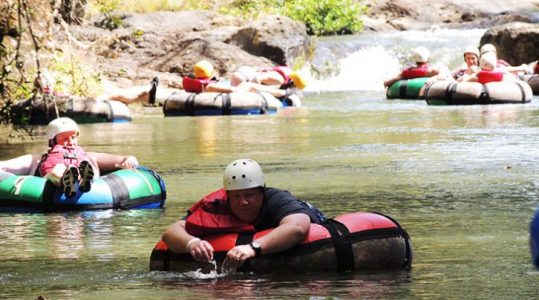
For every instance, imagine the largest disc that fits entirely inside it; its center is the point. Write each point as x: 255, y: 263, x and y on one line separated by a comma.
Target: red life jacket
x: 195, y: 85
x: 415, y: 72
x: 536, y: 69
x: 212, y: 215
x: 59, y: 154
x: 489, y: 76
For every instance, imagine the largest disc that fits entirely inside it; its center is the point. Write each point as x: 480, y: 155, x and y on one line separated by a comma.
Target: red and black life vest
x: 195, y: 85
x: 58, y: 154
x: 212, y: 215
x: 489, y: 76
x: 536, y: 68
x: 415, y: 72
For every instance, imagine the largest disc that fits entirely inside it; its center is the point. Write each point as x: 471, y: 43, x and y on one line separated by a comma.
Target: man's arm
x: 292, y: 230
x: 180, y: 241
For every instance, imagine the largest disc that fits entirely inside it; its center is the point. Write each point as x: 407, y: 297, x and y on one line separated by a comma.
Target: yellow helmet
x: 203, y: 69
x: 299, y: 80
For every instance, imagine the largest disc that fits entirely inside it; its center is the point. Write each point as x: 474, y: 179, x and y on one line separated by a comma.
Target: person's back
x: 421, y: 68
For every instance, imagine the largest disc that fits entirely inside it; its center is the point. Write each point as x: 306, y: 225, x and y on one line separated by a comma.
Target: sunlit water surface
x: 461, y: 180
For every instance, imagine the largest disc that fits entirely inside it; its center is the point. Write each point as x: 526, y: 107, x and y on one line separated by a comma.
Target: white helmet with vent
x: 243, y: 174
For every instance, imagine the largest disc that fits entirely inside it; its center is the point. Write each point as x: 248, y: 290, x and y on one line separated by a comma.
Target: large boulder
x: 277, y: 38
x: 517, y: 42
x: 168, y: 44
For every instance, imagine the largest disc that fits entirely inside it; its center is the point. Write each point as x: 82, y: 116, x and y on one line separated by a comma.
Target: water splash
x: 362, y: 62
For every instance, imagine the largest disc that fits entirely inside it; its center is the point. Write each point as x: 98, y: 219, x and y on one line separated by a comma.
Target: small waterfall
x: 362, y: 62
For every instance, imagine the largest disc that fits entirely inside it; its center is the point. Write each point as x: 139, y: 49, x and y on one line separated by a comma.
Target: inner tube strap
x: 264, y: 104
x: 161, y: 183
x: 48, y: 196
x: 166, y: 260
x: 343, y: 250
x: 226, y: 103
x: 190, y: 104
x: 111, y: 110
x: 169, y: 98
x: 522, y: 92
x: 405, y: 235
x: 402, y: 88
x: 118, y: 189
x: 484, y: 98
x: 450, y: 90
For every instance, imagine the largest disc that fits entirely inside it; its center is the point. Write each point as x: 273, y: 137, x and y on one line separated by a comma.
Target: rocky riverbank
x: 167, y: 44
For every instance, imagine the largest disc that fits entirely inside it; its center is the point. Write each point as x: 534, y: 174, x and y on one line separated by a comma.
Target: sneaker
x: 69, y: 179
x: 87, y: 175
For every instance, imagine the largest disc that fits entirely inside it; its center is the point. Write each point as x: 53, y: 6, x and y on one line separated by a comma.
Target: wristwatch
x: 256, y: 247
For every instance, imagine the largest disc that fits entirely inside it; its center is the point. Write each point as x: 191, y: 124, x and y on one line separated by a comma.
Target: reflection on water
x: 461, y: 180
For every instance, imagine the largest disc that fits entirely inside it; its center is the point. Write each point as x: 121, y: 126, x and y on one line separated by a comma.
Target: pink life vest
x: 195, y: 85
x: 212, y: 215
x: 284, y: 71
x: 415, y: 72
x: 59, y: 154
x: 489, y: 76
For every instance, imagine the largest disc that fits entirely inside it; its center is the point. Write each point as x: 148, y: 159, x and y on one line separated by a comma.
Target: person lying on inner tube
x: 278, y: 81
x: 489, y: 72
x: 244, y: 204
x: 420, y: 56
x: 66, y: 164
x: 503, y: 65
x: 470, y: 66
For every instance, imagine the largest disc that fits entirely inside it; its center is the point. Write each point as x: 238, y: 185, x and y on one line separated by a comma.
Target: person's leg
x: 87, y: 176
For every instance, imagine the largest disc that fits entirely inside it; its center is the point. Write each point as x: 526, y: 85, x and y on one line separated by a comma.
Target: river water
x: 461, y: 180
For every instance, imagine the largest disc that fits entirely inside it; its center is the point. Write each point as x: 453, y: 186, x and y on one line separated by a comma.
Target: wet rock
x: 517, y: 42
x: 386, y: 15
x: 277, y: 38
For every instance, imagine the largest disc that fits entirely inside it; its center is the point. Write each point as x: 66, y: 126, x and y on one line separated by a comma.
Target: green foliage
x: 250, y: 9
x: 108, y: 8
x: 326, y: 17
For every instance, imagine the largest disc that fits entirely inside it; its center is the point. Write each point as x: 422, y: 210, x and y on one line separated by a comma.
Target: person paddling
x: 243, y: 204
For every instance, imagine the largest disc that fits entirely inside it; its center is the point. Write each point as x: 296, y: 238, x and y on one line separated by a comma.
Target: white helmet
x: 420, y: 55
x: 488, y: 61
x: 486, y: 48
x: 472, y: 50
x: 243, y: 174
x: 61, y: 125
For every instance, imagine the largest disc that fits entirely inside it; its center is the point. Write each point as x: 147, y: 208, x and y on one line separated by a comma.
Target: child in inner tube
x: 66, y: 164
